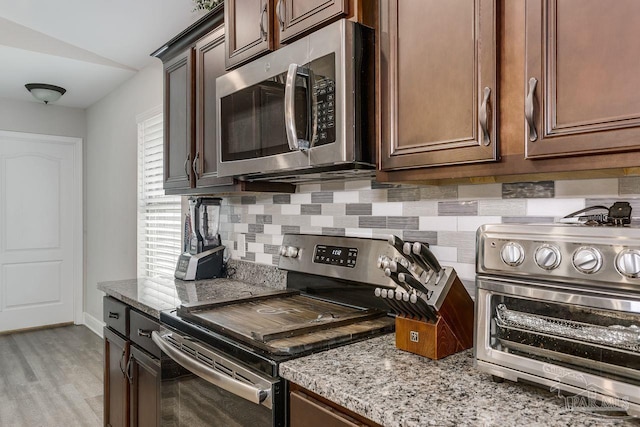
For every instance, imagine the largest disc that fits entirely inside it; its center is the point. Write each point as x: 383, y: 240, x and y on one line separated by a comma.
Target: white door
x: 40, y: 209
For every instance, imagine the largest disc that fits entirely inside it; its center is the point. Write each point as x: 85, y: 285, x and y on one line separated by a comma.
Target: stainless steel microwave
x: 303, y: 112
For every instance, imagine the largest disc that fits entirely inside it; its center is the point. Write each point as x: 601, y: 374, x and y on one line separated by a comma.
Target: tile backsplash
x: 446, y: 217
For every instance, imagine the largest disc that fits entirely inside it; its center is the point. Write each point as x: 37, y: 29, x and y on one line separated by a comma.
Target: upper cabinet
x: 438, y: 87
x: 254, y: 27
x: 582, y: 77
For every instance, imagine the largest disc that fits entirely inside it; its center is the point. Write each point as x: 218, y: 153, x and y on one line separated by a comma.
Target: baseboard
x: 93, y: 324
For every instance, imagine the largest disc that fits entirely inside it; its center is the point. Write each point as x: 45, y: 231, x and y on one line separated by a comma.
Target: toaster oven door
x: 559, y: 335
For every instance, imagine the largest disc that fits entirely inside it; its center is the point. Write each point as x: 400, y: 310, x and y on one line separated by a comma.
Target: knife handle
x: 394, y: 276
x: 424, y: 308
x: 413, y: 282
x: 399, y: 245
x: 396, y: 267
x: 429, y: 258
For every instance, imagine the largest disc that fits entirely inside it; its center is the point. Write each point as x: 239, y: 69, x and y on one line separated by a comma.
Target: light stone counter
x: 395, y: 388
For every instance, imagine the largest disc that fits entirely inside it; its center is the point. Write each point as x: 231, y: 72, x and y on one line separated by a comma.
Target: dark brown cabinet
x: 582, y: 71
x: 254, y: 27
x: 131, y: 367
x: 438, y: 83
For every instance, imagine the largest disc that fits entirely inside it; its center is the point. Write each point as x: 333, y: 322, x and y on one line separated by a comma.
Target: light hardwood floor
x: 51, y: 377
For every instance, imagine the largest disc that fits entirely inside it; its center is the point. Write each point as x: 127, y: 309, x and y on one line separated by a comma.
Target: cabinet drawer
x: 116, y: 315
x: 140, y: 332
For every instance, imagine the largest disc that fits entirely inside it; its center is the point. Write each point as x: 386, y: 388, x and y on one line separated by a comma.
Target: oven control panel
x: 607, y: 256
x: 335, y: 255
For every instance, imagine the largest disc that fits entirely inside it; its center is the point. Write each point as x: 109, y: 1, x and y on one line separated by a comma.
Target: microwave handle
x: 296, y: 144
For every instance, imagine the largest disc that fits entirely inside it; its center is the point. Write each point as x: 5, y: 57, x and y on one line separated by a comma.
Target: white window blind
x: 159, y: 228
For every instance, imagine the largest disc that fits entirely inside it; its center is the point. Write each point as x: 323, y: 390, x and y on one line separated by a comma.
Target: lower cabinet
x: 131, y: 369
x: 307, y: 409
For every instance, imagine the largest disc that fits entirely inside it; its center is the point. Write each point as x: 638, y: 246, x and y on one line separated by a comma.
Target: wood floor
x: 51, y: 377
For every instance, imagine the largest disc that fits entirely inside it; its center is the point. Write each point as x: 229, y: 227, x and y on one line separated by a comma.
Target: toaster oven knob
x: 628, y: 263
x: 587, y: 260
x: 512, y: 254
x: 548, y: 257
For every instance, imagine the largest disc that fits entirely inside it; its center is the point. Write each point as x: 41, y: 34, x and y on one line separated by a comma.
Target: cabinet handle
x: 194, y: 165
x: 484, y: 117
x: 121, y: 361
x: 186, y: 171
x: 279, y: 14
x: 113, y: 315
x: 528, y: 109
x: 128, y: 373
x: 143, y: 333
x: 263, y: 33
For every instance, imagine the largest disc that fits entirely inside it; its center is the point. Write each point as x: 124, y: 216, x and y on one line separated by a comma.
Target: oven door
x: 201, y: 387
x: 286, y: 110
x: 561, y: 336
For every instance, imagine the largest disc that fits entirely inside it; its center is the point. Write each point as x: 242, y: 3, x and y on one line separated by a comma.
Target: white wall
x: 36, y: 117
x: 110, y: 182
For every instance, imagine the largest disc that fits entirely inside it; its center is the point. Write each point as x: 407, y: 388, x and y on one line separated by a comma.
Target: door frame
x: 78, y: 215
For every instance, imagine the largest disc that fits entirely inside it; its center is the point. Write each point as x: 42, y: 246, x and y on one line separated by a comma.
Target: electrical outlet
x: 242, y: 245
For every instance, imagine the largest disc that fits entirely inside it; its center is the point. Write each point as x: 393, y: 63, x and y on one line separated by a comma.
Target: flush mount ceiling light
x: 44, y: 92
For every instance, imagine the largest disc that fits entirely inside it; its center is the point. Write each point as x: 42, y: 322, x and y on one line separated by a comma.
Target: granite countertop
x: 151, y: 295
x: 396, y: 388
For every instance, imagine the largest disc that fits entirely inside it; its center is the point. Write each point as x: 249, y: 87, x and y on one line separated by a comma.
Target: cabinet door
x: 308, y: 412
x: 178, y: 121
x: 248, y: 28
x: 438, y: 94
x: 116, y: 386
x: 144, y: 374
x: 582, y: 77
x: 209, y: 66
x: 297, y: 16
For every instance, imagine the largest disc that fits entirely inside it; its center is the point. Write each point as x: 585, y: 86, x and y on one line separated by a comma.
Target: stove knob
x: 283, y: 251
x: 512, y: 254
x: 548, y: 257
x: 292, y: 252
x: 628, y: 263
x: 587, y: 260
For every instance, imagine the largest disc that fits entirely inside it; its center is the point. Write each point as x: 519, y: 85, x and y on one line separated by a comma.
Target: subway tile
x: 421, y: 208
x: 322, y: 197
x: 403, y: 222
x: 264, y: 199
x: 290, y: 209
x: 272, y: 229
x: 234, y: 218
x: 366, y: 233
x: 358, y: 185
x: 466, y: 271
x: 375, y: 185
x: 587, y: 188
x: 472, y: 223
x: 250, y: 237
x: 273, y: 209
x: 249, y: 256
x: 321, y: 221
x: 358, y: 209
x: 346, y: 197
x: 263, y: 258
x: 467, y: 255
x: 310, y: 230
x: 332, y: 231
x: 458, y: 239
x: 430, y: 237
x: 308, y: 188
x: 458, y: 208
x: 256, y: 228
x: 281, y: 199
x: 386, y: 209
x: 372, y: 222
x: 300, y: 198
x: 445, y: 254
x: 315, y: 209
x: 241, y: 228
x: 528, y: 219
x: 300, y: 220
x: 555, y: 207
x: 629, y: 185
x: 343, y: 221
x: 290, y: 229
x: 336, y: 185
x: 277, y: 239
x: 263, y: 219
x: 479, y: 191
x: 249, y: 219
x: 271, y: 249
x: 502, y: 207
x: 333, y: 209
x: 439, y: 192
x: 255, y: 247
x: 528, y: 190
x: 384, y: 233
x: 439, y: 223
x: 248, y: 200
x: 373, y: 196
x: 403, y: 194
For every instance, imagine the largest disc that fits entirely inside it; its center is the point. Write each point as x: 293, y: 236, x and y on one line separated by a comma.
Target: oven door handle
x: 252, y: 394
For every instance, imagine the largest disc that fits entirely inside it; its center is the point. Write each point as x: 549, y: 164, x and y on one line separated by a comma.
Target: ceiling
x: 88, y: 47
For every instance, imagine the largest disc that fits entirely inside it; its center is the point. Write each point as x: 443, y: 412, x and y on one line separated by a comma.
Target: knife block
x: 451, y: 333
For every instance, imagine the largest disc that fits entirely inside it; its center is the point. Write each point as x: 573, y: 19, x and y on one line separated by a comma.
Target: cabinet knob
x: 144, y: 333
x: 113, y: 315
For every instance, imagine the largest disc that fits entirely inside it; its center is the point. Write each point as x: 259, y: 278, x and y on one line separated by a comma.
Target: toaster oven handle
x: 250, y: 393
x: 296, y: 144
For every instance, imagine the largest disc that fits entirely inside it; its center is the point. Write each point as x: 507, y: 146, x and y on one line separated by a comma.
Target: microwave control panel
x: 325, y: 111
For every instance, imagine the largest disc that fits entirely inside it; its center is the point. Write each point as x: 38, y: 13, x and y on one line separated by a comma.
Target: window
x: 159, y: 229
